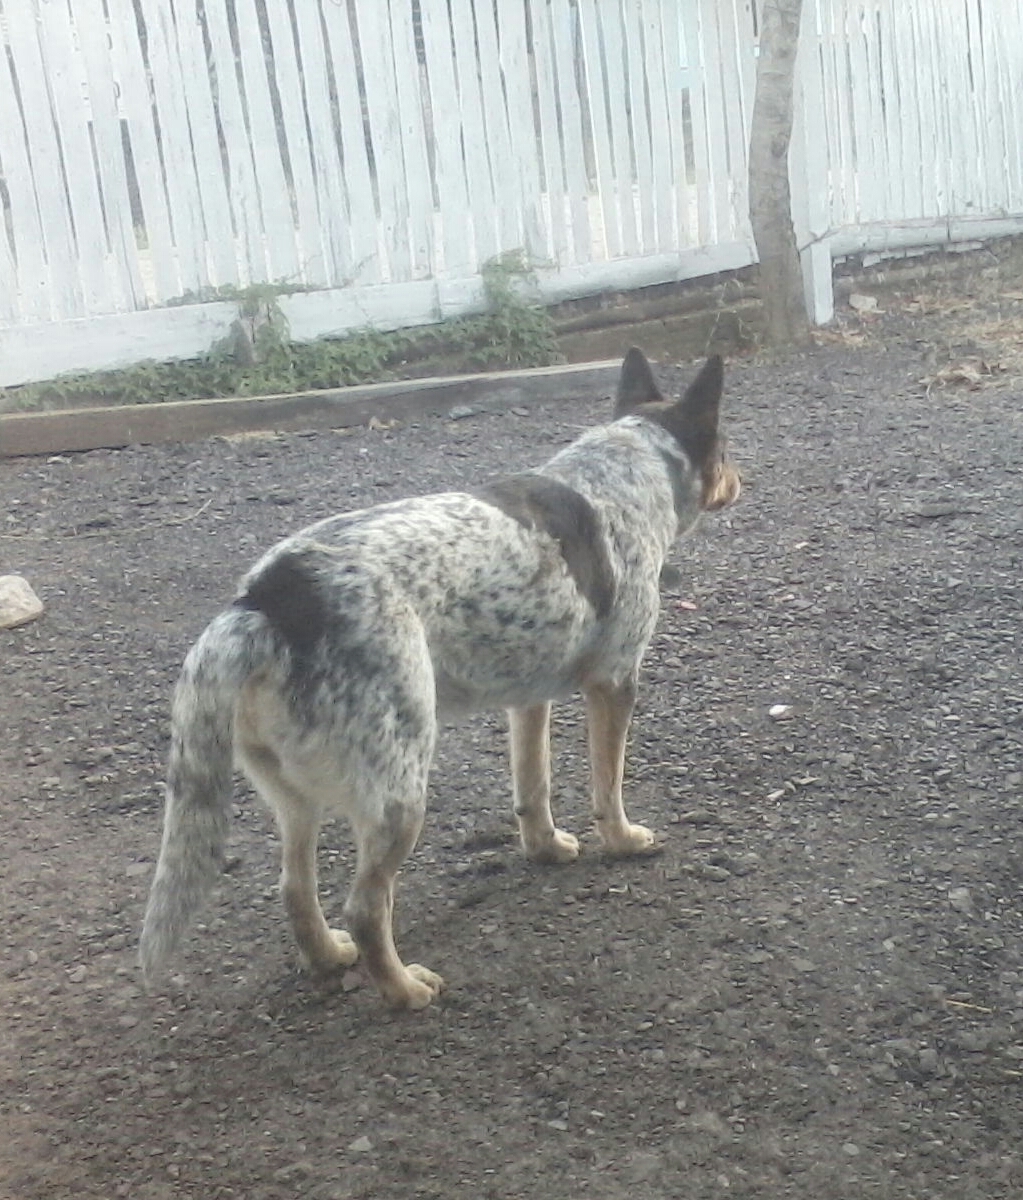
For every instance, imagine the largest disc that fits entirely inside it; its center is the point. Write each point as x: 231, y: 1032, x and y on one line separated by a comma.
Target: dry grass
x: 969, y: 307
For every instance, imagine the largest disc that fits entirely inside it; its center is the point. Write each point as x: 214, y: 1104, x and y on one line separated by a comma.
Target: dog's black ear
x: 695, y: 419
x: 636, y: 384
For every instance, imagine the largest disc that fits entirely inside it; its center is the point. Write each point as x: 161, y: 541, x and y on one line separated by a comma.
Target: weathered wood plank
x: 193, y: 420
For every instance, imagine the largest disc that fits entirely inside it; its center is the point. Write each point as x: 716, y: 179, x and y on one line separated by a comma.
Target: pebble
x: 361, y: 1145
x: 959, y: 898
x: 929, y: 1061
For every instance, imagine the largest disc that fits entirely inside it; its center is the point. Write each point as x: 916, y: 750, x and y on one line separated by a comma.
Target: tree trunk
x: 770, y: 199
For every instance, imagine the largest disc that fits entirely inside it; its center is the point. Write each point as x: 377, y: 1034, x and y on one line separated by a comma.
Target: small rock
x: 461, y: 411
x: 699, y: 817
x: 975, y: 1041
x: 929, y: 1061
x: 76, y: 975
x: 559, y: 1124
x: 960, y: 899
x: 361, y: 1145
x: 294, y: 1170
x: 850, y: 1148
x: 779, y: 712
x: 715, y: 874
x: 18, y: 603
x: 863, y: 303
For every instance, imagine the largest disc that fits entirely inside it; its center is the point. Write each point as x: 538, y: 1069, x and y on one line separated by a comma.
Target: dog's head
x: 692, y: 420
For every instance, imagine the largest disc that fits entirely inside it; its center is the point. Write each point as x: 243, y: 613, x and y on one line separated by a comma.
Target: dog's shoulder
x: 538, y: 501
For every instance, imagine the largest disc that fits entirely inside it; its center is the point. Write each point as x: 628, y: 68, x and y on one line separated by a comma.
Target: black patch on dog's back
x: 287, y: 593
x: 539, y: 502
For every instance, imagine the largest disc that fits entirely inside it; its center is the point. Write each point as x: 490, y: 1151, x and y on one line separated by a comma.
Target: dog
x: 350, y: 641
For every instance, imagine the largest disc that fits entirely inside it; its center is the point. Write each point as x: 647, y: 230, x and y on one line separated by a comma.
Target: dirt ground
x: 815, y: 991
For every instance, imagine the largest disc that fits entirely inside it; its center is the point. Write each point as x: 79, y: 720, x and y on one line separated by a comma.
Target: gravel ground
x: 815, y: 991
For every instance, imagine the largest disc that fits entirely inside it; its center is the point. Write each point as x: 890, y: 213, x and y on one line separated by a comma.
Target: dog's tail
x: 199, y: 775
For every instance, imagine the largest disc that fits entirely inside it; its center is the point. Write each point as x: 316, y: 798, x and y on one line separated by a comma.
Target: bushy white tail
x: 199, y: 776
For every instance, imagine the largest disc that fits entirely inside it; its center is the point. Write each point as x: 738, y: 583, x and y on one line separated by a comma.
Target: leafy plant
x: 259, y: 358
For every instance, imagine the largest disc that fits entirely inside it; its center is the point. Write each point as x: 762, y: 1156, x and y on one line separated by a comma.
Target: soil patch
x: 816, y: 990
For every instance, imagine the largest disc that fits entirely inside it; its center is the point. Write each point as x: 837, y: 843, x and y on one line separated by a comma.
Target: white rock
x: 863, y: 303
x: 18, y: 603
x: 777, y: 711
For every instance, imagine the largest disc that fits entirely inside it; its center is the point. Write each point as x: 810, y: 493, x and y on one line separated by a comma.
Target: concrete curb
x: 72, y: 430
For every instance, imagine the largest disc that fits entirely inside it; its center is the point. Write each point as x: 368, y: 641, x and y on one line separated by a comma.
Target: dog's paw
x: 340, y: 952
x: 419, y: 987
x: 630, y: 839
x: 560, y: 847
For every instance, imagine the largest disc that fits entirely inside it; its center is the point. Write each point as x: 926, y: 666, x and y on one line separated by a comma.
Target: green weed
x: 259, y: 357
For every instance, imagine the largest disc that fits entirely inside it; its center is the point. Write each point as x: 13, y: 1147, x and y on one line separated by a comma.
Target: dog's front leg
x: 608, y: 713
x: 531, y: 787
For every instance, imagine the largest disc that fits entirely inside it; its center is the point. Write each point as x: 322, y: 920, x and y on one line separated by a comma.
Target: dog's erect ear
x: 636, y: 384
x: 695, y: 417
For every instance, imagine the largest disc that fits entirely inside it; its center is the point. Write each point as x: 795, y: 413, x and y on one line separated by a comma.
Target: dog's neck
x: 647, y: 484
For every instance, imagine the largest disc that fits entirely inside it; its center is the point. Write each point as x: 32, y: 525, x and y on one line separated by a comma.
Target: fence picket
x: 24, y: 261
x: 611, y: 244
x: 325, y: 165
x: 408, y: 75
x: 612, y: 27
x: 276, y: 197
x: 385, y: 125
x: 549, y: 137
x: 45, y: 169
x: 367, y: 264
x: 662, y: 148
x: 127, y: 287
x: 566, y: 52
x: 218, y: 263
x: 65, y: 75
x: 446, y: 132
x: 476, y: 150
x: 503, y: 164
x: 294, y: 135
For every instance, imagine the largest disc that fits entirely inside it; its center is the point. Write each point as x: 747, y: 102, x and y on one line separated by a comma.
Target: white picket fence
x: 376, y: 153
x: 908, y: 121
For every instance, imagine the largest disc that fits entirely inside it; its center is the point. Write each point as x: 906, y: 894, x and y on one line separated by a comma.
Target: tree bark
x: 770, y: 197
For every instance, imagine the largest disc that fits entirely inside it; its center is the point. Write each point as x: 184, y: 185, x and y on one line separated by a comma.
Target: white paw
x: 421, y: 986
x: 559, y: 848
x: 630, y: 839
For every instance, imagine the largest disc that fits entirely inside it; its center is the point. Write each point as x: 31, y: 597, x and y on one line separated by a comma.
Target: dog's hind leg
x: 608, y: 713
x: 531, y: 786
x: 323, y: 949
x: 385, y: 831
x: 299, y: 816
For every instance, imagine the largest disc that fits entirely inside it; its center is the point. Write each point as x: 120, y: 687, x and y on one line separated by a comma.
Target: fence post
x: 818, y: 290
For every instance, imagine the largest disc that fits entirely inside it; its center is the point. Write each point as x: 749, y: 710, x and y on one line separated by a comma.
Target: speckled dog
x: 348, y: 642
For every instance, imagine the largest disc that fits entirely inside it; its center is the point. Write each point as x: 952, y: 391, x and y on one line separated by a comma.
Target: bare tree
x: 770, y: 200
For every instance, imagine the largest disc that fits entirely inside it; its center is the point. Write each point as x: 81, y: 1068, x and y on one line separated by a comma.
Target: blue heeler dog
x: 350, y: 641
